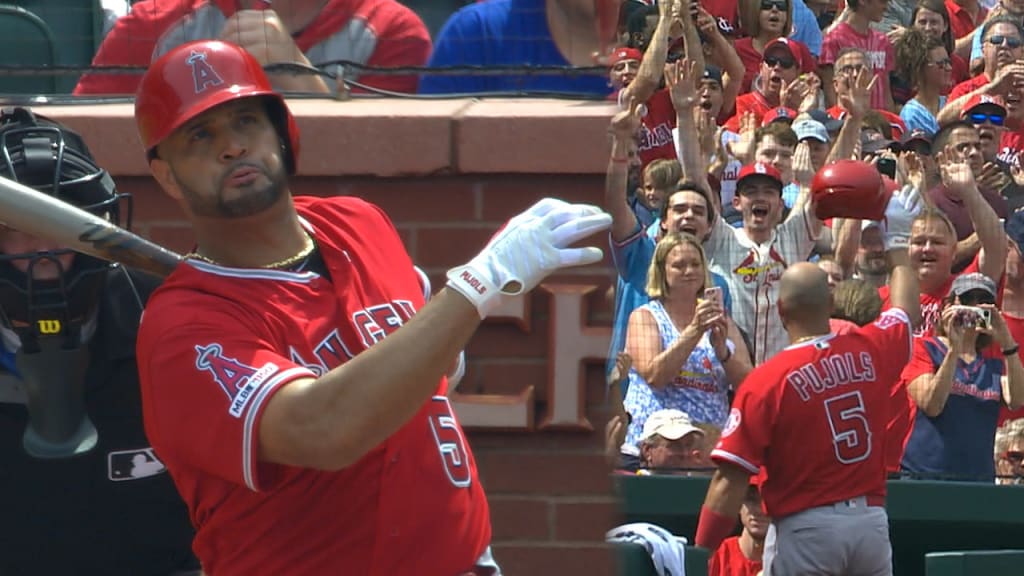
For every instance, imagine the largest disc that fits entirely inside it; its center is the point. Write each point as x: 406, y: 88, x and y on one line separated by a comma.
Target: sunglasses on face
x: 995, y: 119
x: 1014, y: 456
x: 999, y: 40
x: 784, y: 63
x: 780, y: 5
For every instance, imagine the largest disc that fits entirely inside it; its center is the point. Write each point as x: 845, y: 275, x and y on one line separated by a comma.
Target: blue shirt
x: 959, y: 441
x: 504, y: 33
x: 917, y: 117
x: 632, y: 258
x: 805, y: 27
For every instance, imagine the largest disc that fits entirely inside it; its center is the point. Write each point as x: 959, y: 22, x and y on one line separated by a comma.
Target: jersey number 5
x: 450, y: 442
x: 851, y: 436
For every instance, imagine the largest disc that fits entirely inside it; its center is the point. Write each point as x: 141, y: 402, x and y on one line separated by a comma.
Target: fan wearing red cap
x: 988, y: 114
x: 623, y: 66
x: 877, y: 50
x: 781, y: 64
x: 644, y: 87
x: 772, y: 21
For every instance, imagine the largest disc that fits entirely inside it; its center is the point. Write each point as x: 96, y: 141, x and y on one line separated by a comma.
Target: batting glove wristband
x: 904, y: 205
x: 530, y: 247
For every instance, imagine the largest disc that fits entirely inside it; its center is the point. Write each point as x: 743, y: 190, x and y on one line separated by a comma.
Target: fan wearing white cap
x: 671, y: 441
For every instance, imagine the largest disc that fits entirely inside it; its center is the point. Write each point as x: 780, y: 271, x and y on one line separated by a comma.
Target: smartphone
x: 887, y: 166
x: 715, y: 293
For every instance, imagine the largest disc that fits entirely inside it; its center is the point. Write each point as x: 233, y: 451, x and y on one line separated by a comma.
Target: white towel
x: 668, y: 551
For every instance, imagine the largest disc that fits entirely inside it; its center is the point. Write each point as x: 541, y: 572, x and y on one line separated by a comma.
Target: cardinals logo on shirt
x: 735, y: 417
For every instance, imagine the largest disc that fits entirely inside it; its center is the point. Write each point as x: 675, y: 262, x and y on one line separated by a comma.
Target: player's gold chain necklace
x: 806, y: 338
x: 288, y: 262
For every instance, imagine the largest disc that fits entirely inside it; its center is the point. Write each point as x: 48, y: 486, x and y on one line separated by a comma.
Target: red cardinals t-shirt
x: 728, y: 560
x: 960, y: 22
x: 217, y: 343
x: 1016, y: 327
x: 814, y: 417
x: 879, y: 52
x: 1011, y: 144
x: 655, y: 138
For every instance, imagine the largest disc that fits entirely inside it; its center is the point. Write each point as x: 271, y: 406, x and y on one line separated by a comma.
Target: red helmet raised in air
x: 849, y: 189
x: 197, y: 76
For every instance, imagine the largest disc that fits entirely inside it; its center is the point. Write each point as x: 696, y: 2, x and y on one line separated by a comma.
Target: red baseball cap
x: 780, y: 113
x: 980, y: 99
x: 623, y: 54
x: 759, y: 169
x: 789, y: 46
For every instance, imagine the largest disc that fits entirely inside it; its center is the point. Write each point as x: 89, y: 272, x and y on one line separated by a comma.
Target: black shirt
x: 114, y: 510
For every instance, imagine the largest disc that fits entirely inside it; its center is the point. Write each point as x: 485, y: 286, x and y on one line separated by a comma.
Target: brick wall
x: 451, y: 173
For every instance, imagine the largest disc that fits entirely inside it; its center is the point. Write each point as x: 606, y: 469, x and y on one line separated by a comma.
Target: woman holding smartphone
x: 957, y: 380
x: 687, y: 354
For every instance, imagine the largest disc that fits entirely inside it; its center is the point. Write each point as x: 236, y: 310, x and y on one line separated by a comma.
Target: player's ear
x: 164, y: 176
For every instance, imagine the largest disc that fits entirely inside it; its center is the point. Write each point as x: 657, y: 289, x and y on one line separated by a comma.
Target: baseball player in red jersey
x: 814, y: 418
x: 291, y: 372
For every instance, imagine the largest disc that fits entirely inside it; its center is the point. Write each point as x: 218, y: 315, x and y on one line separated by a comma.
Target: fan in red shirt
x: 774, y: 20
x: 856, y: 33
x: 1012, y: 293
x: 741, y: 555
x: 1001, y: 49
x: 965, y: 16
x: 781, y: 64
x: 812, y: 420
x: 371, y: 32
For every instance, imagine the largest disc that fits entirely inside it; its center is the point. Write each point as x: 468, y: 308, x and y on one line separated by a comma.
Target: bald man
x: 821, y: 404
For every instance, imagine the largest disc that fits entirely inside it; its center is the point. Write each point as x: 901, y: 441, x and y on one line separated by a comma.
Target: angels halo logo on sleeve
x: 735, y: 417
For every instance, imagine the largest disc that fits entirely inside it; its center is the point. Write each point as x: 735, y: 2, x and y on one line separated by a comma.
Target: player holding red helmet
x: 291, y: 371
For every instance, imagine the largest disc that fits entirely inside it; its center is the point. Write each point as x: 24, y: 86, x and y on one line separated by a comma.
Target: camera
x: 972, y: 317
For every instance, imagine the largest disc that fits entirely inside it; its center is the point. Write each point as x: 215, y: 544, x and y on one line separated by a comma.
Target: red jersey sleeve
x: 402, y: 40
x: 205, y: 385
x: 893, y: 335
x: 747, y: 433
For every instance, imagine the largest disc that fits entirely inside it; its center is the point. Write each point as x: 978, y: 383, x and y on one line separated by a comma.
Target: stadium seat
x: 77, y: 26
x: 25, y: 40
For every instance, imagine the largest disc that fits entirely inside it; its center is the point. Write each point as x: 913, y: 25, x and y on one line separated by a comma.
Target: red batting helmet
x: 849, y: 189
x: 197, y: 76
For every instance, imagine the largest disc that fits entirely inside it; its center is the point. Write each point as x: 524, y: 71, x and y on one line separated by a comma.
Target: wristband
x: 469, y: 282
x: 712, y: 528
x: 1011, y: 351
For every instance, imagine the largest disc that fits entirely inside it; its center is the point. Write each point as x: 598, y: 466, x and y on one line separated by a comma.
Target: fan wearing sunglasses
x: 1002, y: 52
x: 1009, y: 452
x: 989, y: 116
x: 765, y: 21
x: 779, y: 84
x: 957, y: 381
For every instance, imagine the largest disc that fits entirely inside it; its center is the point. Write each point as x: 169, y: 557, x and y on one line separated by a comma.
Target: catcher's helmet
x: 849, y: 189
x: 197, y: 76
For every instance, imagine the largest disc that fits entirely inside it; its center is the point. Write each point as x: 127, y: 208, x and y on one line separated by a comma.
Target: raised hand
x: 956, y: 173
x: 857, y: 98
x: 681, y: 77
x: 793, y: 93
x: 992, y: 177
x: 626, y: 123
x: 743, y: 149
x: 706, y: 130
x: 803, y: 170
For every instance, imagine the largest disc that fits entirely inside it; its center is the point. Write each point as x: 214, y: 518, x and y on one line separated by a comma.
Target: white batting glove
x: 530, y: 247
x: 904, y: 205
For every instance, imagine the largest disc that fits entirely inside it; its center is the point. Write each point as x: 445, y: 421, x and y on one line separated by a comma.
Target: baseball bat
x: 44, y: 216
